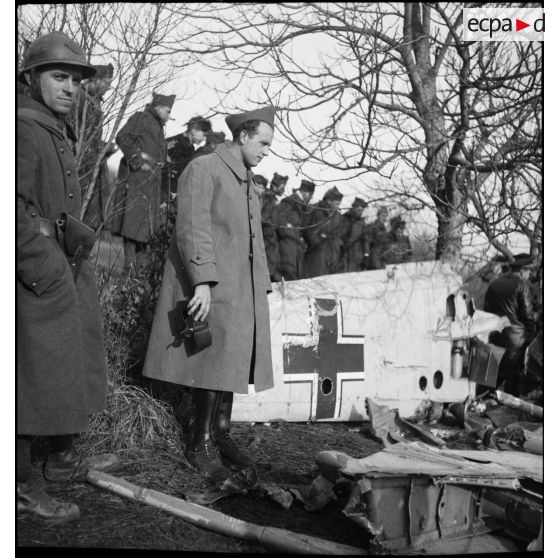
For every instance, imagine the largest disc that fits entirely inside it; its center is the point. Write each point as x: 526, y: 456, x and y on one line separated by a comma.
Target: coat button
x: 251, y: 216
x: 250, y: 196
x: 198, y: 257
x: 33, y: 284
x: 70, y: 195
x: 69, y: 172
x: 33, y: 214
x: 62, y: 150
x: 253, y: 235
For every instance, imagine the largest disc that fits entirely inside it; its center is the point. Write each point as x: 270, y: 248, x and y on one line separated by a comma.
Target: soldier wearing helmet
x: 61, y: 358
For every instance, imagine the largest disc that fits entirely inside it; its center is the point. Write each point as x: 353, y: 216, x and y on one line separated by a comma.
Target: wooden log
x: 271, y: 538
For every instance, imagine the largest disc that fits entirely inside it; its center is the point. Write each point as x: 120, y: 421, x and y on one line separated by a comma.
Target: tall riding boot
x: 228, y: 449
x: 202, y: 453
x: 31, y: 498
x: 65, y: 464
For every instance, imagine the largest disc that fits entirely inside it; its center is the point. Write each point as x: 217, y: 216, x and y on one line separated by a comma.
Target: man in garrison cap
x: 290, y: 216
x: 87, y: 121
x: 136, y: 212
x: 217, y: 260
x: 509, y: 295
x: 323, y: 233
x: 269, y: 201
x: 355, y: 250
x: 61, y: 365
x: 398, y: 248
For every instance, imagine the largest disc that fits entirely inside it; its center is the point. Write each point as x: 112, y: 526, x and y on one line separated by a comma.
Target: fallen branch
x: 517, y: 403
x: 271, y: 538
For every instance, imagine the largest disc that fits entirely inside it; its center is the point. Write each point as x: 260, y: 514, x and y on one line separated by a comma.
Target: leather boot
x: 35, y: 501
x: 231, y: 454
x: 65, y: 464
x: 202, y: 454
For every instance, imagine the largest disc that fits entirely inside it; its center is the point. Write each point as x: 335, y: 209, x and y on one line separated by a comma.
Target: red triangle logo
x: 519, y: 25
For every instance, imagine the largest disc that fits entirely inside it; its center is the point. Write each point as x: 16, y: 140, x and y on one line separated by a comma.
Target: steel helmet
x: 55, y: 48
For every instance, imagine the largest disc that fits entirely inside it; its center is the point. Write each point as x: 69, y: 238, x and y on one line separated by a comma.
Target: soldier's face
x: 334, y: 204
x: 57, y: 87
x: 254, y: 149
x: 358, y: 210
x: 163, y: 112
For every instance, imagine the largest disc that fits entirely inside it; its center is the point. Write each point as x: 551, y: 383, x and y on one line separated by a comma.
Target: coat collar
x: 44, y: 116
x: 234, y: 163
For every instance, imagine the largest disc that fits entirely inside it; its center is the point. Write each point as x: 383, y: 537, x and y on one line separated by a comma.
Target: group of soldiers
x: 304, y: 239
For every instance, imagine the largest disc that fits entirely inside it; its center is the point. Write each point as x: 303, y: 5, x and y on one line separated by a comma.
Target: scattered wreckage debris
x: 271, y: 538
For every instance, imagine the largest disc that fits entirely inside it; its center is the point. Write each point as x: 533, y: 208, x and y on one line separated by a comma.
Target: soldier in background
x: 509, y: 295
x: 323, y: 234
x: 378, y: 239
x: 87, y: 120
x: 137, y: 214
x: 260, y: 184
x: 182, y: 147
x: 355, y: 251
x: 290, y: 217
x: 269, y: 201
x: 212, y: 140
x: 398, y: 249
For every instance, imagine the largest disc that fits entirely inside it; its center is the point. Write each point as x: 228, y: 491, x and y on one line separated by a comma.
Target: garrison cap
x: 163, y: 100
x: 397, y: 222
x: 278, y: 179
x: 265, y: 114
x: 307, y: 185
x: 359, y: 202
x: 333, y: 194
x: 215, y: 137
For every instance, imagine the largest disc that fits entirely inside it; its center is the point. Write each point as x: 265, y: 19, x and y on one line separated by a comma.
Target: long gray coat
x: 135, y: 213
x: 217, y: 227
x: 61, y: 368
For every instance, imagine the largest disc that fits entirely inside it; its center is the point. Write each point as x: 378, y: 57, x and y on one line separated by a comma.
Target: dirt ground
x: 285, y: 453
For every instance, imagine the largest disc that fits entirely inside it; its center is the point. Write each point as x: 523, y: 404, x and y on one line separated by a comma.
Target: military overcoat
x: 269, y: 204
x: 217, y: 240
x: 355, y: 242
x: 324, y: 236
x: 61, y: 365
x: 136, y: 214
x: 289, y: 218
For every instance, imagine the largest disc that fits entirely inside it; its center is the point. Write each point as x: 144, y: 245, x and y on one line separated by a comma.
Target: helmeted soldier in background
x: 355, y: 251
x: 61, y: 368
x: 398, y: 249
x: 290, y: 216
x: 269, y: 201
x: 137, y: 213
x: 323, y: 234
x: 509, y: 295
x: 378, y: 239
x: 87, y: 121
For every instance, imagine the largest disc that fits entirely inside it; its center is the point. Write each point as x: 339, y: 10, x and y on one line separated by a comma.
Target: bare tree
x: 392, y: 90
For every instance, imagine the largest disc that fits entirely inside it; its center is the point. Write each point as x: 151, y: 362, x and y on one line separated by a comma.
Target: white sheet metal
x: 341, y: 338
